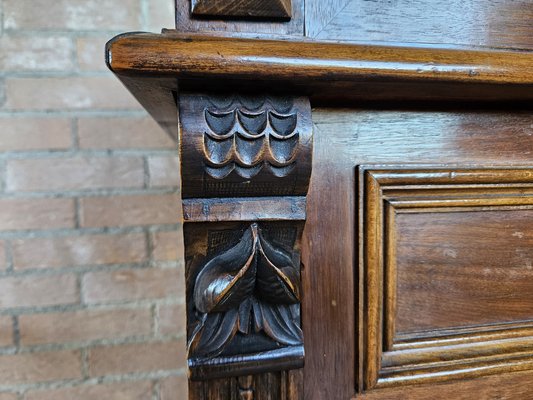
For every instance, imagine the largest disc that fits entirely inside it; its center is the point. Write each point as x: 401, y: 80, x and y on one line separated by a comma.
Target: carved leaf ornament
x: 244, y: 142
x: 252, y: 287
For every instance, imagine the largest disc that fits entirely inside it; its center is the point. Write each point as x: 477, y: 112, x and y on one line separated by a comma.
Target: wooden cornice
x: 320, y: 63
x: 323, y: 71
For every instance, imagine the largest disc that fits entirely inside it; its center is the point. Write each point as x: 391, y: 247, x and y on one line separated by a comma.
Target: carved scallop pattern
x: 245, y: 135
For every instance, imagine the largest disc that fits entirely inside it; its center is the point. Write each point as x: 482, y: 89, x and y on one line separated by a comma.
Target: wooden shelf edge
x: 196, y: 56
x: 152, y: 65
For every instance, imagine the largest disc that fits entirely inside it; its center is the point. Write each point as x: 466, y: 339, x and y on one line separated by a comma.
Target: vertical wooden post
x: 246, y: 164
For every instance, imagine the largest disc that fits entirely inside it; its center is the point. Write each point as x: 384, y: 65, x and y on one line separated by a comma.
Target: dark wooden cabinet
x: 357, y: 183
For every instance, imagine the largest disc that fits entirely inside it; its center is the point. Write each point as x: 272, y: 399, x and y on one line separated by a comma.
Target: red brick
x: 172, y: 319
x: 123, y: 133
x: 8, y: 396
x: 89, y: 51
x: 36, y: 53
x: 77, y: 173
x: 141, y: 357
x: 164, y: 171
x: 114, y: 391
x: 40, y: 367
x: 34, y: 134
x: 174, y: 388
x: 82, y: 326
x: 168, y: 246
x: 3, y: 260
x: 73, y: 93
x: 132, y: 284
x: 6, y: 331
x: 130, y: 210
x: 78, y: 250
x: 161, y: 14
x: 71, y: 14
x: 16, y: 214
x: 32, y: 291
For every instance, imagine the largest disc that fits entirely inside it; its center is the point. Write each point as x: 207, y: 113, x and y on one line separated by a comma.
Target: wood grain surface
x: 243, y: 8
x: 240, y: 25
x: 207, y: 56
x: 328, y: 73
x: 475, y: 23
x: 245, y: 169
x: 397, y: 291
x: 464, y: 268
x: 348, y: 137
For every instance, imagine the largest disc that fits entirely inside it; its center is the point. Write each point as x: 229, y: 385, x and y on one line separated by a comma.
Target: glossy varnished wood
x: 242, y: 24
x: 501, y: 387
x: 345, y: 139
x: 151, y: 65
x: 490, y: 23
x: 389, y: 196
x: 243, y: 8
x: 187, y: 56
x: 245, y: 166
x: 420, y: 58
x: 245, y: 146
x: 464, y: 268
x: 455, y: 23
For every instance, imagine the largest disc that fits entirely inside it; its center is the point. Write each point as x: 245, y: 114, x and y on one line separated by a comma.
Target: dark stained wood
x: 328, y: 278
x: 250, y: 209
x: 415, y: 275
x: 453, y: 137
x: 491, y: 23
x: 463, y: 268
x: 243, y: 8
x: 350, y: 137
x: 241, y: 26
x: 285, y: 385
x: 245, y: 145
x: 501, y: 387
x: 319, y: 14
x: 151, y: 65
x: 242, y: 253
x: 389, y: 197
x: 317, y: 65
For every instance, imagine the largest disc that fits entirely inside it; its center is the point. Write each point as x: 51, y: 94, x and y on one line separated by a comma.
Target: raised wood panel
x: 463, y: 268
x: 492, y: 23
x: 345, y: 138
x: 448, y: 285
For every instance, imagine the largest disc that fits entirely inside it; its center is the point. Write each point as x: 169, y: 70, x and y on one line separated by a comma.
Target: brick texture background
x: 91, y: 286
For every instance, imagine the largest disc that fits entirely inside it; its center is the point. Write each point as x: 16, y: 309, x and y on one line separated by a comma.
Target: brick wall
x: 91, y: 292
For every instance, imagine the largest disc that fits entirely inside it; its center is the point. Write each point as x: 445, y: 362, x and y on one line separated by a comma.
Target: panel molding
x: 442, y: 354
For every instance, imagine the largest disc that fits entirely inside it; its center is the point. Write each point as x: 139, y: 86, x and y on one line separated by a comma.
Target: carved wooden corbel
x: 246, y: 165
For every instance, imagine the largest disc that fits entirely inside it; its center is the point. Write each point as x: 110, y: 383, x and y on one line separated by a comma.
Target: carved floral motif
x: 252, y: 287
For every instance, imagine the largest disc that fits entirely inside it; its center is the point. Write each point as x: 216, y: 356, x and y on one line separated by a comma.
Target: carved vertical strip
x: 246, y: 165
x: 246, y: 391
